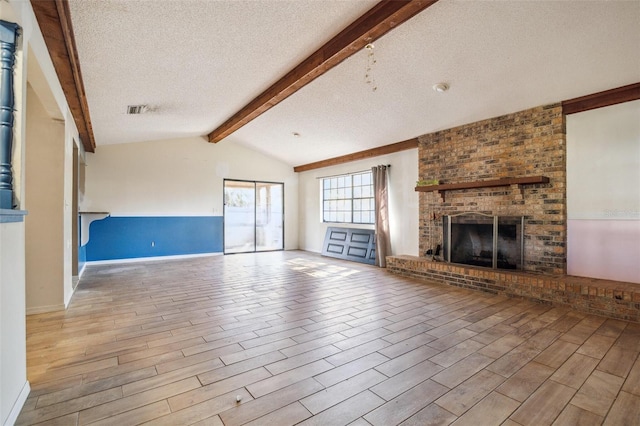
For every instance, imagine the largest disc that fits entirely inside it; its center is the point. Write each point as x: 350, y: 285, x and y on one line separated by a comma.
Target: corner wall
x: 403, y: 201
x: 44, y: 199
x: 154, y: 189
x: 603, y: 192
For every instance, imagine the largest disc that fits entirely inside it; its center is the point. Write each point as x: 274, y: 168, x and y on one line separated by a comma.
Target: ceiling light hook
x: 371, y: 60
x: 441, y: 87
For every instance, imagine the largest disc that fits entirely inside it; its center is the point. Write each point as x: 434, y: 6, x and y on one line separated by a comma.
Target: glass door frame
x: 255, y: 214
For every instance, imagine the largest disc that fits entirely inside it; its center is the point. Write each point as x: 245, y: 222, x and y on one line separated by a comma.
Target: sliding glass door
x: 269, y: 216
x: 253, y: 216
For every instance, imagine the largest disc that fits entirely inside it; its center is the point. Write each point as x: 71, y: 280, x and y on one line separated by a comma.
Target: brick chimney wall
x: 525, y: 143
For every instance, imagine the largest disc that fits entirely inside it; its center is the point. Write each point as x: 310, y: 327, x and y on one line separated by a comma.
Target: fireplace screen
x: 483, y: 240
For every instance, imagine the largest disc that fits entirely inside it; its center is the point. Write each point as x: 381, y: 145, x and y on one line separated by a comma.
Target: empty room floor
x: 291, y: 337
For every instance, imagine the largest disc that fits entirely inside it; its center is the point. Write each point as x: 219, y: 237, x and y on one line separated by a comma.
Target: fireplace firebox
x: 484, y: 240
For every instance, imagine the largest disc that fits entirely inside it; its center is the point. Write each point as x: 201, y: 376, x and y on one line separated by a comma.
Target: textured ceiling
x: 197, y: 62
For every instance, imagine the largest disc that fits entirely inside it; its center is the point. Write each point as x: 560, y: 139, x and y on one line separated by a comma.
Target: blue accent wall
x: 149, y: 236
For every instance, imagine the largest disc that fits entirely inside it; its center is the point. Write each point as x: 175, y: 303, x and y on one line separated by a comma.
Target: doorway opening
x: 253, y: 216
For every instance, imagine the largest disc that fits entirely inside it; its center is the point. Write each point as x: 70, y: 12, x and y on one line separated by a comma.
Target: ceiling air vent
x: 136, y: 109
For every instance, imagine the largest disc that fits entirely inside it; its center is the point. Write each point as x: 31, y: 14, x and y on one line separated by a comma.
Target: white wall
x: 403, y: 201
x: 180, y: 177
x: 603, y: 193
x: 45, y: 200
x: 14, y: 387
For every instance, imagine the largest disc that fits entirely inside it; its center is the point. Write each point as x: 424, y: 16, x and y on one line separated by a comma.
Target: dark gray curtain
x: 383, y: 244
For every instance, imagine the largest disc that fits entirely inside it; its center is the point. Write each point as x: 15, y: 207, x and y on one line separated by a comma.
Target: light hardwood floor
x: 303, y: 339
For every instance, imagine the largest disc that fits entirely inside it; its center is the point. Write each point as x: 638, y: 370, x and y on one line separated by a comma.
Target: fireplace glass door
x: 484, y: 240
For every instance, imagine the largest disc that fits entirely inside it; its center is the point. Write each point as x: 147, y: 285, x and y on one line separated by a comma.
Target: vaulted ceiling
x: 196, y: 63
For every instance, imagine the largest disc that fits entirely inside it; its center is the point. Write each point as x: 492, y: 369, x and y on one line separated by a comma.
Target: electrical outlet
x: 153, y: 243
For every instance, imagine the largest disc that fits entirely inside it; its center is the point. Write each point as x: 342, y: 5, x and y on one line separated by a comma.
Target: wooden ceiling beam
x: 361, y: 155
x: 378, y: 21
x: 54, y: 19
x: 615, y: 96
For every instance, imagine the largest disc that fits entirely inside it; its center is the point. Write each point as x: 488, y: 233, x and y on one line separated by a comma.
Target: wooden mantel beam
x: 54, y: 19
x: 379, y: 20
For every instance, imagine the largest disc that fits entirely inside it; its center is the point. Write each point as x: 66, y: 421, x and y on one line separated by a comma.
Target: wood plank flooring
x: 302, y: 339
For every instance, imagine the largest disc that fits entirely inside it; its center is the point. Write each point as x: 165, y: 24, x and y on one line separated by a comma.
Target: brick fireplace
x: 524, y: 144
x: 514, y: 165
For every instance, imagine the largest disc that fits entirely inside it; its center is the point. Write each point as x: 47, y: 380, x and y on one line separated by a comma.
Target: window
x: 348, y: 198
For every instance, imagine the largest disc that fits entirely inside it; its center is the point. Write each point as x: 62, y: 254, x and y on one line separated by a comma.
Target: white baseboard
x: 17, y: 406
x: 151, y: 259
x: 45, y: 309
x: 74, y: 285
x: 81, y: 271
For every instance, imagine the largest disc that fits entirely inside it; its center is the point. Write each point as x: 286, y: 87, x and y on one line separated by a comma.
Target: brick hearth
x: 612, y: 299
